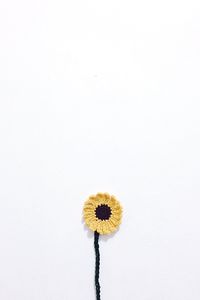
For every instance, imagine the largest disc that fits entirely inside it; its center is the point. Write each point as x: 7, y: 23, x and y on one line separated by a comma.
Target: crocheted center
x: 103, y: 212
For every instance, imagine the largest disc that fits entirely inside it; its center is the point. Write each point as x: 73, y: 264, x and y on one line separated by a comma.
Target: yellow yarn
x: 112, y: 222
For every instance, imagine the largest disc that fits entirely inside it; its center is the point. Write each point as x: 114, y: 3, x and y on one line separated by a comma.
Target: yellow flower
x: 102, y: 213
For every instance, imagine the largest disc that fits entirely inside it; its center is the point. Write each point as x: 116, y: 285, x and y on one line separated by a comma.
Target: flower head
x: 102, y: 213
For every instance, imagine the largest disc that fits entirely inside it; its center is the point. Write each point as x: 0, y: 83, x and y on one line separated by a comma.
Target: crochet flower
x: 102, y: 213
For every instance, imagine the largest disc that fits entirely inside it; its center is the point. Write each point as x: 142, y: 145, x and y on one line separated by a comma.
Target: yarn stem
x: 97, y: 264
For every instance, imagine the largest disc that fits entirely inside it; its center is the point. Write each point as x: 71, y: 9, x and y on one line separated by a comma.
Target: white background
x: 99, y: 96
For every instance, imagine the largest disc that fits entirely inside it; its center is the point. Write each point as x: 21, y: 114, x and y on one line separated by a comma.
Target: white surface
x: 99, y: 96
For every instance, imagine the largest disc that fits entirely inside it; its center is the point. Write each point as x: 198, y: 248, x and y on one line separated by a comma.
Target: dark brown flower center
x: 103, y: 212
